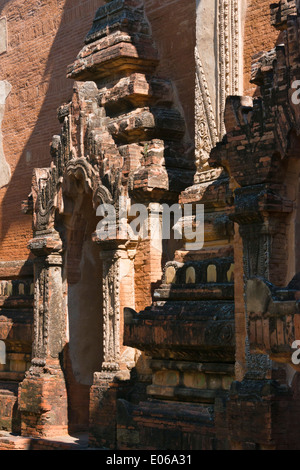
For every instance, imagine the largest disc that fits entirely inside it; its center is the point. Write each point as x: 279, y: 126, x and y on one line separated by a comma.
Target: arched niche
x: 82, y: 275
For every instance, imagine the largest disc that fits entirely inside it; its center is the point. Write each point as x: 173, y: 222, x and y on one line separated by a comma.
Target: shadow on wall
x: 76, y: 19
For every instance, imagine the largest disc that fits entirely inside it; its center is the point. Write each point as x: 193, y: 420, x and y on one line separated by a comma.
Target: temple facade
x: 149, y: 255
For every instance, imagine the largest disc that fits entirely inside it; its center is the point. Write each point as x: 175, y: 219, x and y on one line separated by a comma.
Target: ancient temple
x: 134, y: 340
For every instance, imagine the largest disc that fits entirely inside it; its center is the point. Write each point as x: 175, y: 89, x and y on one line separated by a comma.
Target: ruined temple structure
x: 133, y: 341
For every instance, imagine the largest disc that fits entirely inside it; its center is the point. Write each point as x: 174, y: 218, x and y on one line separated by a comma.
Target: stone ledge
x: 10, y: 441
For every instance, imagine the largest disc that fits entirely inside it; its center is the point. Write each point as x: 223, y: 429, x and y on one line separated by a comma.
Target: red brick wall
x: 259, y: 35
x: 173, y: 25
x: 43, y: 38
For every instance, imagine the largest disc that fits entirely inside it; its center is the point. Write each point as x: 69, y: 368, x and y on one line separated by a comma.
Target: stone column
x: 261, y: 218
x: 113, y: 380
x: 42, y: 394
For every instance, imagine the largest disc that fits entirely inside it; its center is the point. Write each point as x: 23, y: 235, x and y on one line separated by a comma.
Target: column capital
x: 45, y: 244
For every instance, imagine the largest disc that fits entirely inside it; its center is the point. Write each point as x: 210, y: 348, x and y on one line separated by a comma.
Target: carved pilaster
x: 111, y: 310
x: 42, y: 394
x: 48, y: 309
x: 118, y: 291
x: 256, y: 239
x: 256, y: 250
x: 112, y: 381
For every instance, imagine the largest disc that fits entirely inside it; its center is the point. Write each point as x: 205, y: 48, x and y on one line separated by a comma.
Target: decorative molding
x: 235, y: 54
x: 111, y: 311
x: 223, y: 60
x: 206, y: 135
x: 209, y: 123
x: 41, y: 317
x: 229, y: 54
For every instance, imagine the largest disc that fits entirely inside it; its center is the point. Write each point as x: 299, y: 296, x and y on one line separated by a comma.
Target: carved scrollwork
x: 102, y: 195
x: 111, y: 314
x: 219, y: 333
x: 46, y: 185
x: 41, y: 314
x: 209, y: 120
x: 80, y: 172
x: 206, y: 131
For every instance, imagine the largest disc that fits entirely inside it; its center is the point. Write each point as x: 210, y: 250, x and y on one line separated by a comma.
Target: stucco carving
x: 111, y: 311
x: 218, y: 62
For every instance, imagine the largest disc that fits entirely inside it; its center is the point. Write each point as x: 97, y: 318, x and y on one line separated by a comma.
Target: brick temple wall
x: 259, y: 35
x: 42, y: 40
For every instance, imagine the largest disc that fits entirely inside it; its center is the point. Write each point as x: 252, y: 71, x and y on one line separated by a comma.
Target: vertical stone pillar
x: 256, y: 239
x: 253, y: 394
x: 259, y: 223
x: 42, y: 394
x: 112, y: 381
x: 111, y: 310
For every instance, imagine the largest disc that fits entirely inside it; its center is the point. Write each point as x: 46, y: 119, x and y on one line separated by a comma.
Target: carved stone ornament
x: 213, y: 88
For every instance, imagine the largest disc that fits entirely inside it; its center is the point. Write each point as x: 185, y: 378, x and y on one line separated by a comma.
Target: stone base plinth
x: 43, y: 405
x: 107, y: 388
